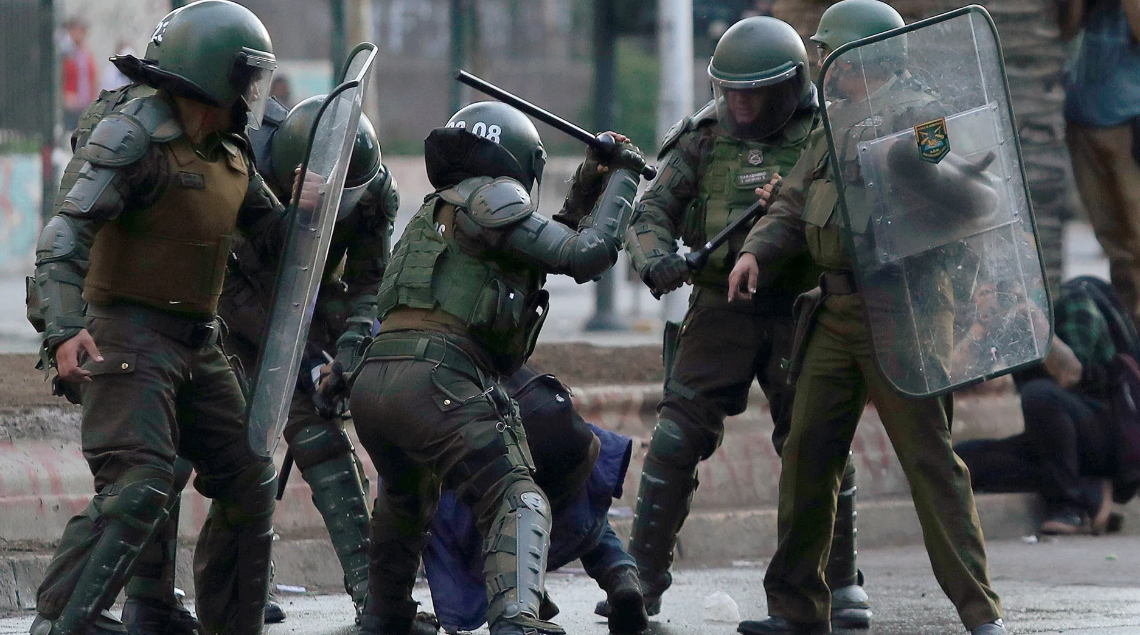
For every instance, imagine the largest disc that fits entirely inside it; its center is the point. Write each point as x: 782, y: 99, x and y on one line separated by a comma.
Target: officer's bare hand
x: 742, y: 280
x: 67, y: 357
x: 309, y: 190
x: 769, y: 191
x: 667, y: 273
x: 1062, y: 364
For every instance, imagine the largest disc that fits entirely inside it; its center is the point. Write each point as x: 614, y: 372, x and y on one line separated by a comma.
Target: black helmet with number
x: 289, y: 143
x: 487, y: 138
x: 760, y: 77
x: 213, y: 51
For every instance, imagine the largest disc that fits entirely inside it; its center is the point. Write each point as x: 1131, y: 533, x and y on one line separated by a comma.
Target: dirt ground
x: 22, y: 386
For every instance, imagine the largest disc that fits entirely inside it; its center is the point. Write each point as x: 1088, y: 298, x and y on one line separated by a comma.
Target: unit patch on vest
x: 752, y: 179
x: 754, y: 157
x: 192, y: 180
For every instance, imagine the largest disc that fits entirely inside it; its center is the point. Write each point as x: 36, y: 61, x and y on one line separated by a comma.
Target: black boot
x: 780, y: 626
x: 148, y: 616
x: 626, y: 603
x: 850, y: 606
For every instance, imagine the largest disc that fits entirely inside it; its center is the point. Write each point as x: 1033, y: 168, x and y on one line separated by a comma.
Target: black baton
x: 602, y: 143
x: 283, y: 478
x: 696, y: 260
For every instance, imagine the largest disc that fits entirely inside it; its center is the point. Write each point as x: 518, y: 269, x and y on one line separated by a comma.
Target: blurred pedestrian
x: 282, y: 90
x: 1102, y: 117
x: 80, y: 75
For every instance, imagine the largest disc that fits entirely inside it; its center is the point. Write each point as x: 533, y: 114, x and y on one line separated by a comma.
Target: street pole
x: 338, y: 47
x: 675, y: 99
x: 48, y: 106
x: 458, y: 51
x: 605, y: 38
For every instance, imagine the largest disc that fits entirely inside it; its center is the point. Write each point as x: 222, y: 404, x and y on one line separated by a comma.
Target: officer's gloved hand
x: 621, y: 154
x: 667, y: 273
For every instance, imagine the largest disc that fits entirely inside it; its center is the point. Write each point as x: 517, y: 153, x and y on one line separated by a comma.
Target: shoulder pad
x: 706, y: 115
x: 460, y: 192
x: 118, y: 140
x: 502, y: 202
x: 156, y: 116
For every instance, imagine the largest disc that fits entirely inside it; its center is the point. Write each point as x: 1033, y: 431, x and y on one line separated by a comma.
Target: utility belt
x: 805, y: 311
x: 422, y: 347
x: 193, y: 333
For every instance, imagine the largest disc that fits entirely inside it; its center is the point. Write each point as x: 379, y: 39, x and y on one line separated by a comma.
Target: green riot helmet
x: 291, y: 140
x: 510, y: 130
x: 760, y: 77
x: 850, y: 20
x: 213, y: 51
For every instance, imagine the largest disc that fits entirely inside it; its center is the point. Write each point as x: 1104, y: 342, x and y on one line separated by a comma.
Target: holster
x: 804, y: 313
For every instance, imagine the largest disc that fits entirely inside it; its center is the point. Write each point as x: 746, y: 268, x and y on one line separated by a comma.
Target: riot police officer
x: 711, y: 165
x: 141, y: 237
x: 343, y: 318
x: 838, y: 373
x: 461, y: 305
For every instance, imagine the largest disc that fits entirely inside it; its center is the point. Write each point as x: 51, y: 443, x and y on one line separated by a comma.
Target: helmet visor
x: 253, y: 74
x: 751, y: 112
x: 349, y: 199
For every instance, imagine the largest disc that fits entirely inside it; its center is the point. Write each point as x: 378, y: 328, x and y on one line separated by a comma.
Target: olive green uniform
x: 838, y: 377
x: 707, y: 179
x: 343, y: 318
x: 144, y: 229
x: 461, y: 306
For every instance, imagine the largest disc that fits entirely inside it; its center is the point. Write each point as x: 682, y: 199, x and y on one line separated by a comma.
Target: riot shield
x: 927, y: 165
x: 303, y: 260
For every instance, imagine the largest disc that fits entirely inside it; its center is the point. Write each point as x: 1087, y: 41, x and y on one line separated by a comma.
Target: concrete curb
x: 44, y: 480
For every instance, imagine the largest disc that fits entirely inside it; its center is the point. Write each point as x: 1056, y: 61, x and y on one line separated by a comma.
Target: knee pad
x: 677, y: 446
x: 249, y: 496
x: 316, y: 444
x: 139, y: 504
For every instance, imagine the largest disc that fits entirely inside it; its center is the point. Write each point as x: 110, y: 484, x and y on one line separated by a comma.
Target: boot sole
x: 854, y: 619
x: 627, y: 613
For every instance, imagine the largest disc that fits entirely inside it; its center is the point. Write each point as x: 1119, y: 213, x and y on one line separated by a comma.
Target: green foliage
x: 635, y: 101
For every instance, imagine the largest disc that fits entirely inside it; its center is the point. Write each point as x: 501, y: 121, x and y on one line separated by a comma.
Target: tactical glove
x: 667, y: 273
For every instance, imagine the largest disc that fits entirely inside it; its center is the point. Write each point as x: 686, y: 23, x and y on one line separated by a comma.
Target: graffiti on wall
x: 20, y: 193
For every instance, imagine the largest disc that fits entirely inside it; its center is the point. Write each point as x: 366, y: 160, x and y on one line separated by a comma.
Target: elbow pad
x: 615, y: 207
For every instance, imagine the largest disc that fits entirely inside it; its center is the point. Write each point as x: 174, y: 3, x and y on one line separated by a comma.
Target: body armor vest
x: 172, y: 255
x: 729, y: 176
x: 498, y: 299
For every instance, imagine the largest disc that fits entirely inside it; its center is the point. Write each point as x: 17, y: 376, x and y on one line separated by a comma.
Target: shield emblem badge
x: 933, y: 140
x: 755, y: 156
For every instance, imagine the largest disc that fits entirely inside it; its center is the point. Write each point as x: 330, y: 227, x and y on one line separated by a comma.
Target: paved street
x: 1076, y: 585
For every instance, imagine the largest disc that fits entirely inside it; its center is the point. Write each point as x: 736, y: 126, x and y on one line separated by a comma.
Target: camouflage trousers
x: 838, y: 378
x: 151, y: 399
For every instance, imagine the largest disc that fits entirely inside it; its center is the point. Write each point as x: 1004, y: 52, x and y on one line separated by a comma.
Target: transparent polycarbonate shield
x: 303, y: 260
x: 926, y: 160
